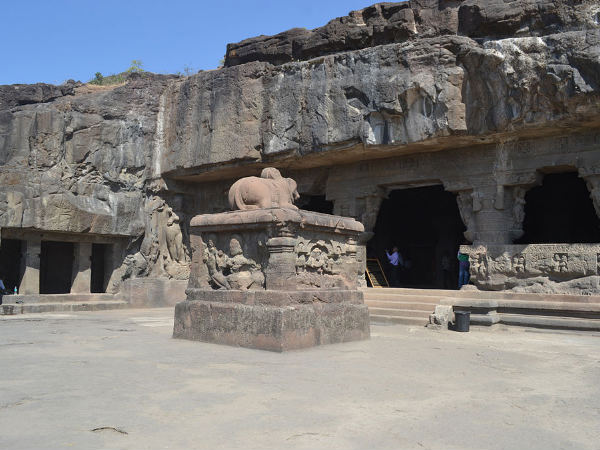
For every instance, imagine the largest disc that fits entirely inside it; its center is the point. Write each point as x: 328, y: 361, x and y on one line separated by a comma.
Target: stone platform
x: 273, y: 278
x: 272, y: 320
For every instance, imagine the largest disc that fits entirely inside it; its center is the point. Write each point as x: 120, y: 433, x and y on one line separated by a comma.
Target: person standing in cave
x: 396, y: 262
x: 463, y: 269
x: 2, y: 289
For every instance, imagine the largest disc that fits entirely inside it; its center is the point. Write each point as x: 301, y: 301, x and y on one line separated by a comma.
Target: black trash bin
x: 462, y: 320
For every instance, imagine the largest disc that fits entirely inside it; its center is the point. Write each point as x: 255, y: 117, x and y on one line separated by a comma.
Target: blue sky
x: 53, y: 41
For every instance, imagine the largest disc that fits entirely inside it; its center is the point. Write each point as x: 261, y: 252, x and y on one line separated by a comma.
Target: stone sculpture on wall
x: 464, y: 200
x: 519, y: 206
x: 162, y: 246
x: 540, y: 268
x: 271, y: 190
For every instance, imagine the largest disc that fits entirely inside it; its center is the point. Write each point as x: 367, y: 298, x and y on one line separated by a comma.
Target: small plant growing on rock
x: 136, y: 66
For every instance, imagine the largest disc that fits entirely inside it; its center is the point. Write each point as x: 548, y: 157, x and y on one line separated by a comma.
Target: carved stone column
x: 492, y: 209
x: 281, y: 266
x: 30, y: 282
x: 364, y: 207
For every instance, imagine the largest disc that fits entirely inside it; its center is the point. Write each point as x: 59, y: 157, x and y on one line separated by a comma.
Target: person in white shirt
x: 396, y: 262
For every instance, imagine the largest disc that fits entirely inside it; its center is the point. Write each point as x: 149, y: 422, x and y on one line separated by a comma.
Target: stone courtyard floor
x: 121, y: 374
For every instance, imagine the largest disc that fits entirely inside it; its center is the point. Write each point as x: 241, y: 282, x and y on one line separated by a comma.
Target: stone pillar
x: 280, y: 273
x: 493, y: 222
x: 592, y: 181
x: 492, y: 209
x: 82, y: 268
x: 30, y: 282
x: 364, y: 208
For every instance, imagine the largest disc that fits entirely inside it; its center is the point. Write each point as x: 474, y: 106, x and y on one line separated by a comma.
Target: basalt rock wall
x: 519, y: 68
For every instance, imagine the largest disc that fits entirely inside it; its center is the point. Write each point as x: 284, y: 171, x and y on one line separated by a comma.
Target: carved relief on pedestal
x: 562, y: 262
x: 479, y: 265
x: 323, y: 263
x: 518, y: 263
x: 234, y: 271
x: 543, y: 268
x: 505, y: 263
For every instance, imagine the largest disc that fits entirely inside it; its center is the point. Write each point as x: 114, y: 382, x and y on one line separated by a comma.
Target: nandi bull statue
x: 271, y: 190
x: 271, y: 276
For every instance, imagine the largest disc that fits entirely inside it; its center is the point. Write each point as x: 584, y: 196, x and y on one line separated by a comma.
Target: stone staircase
x: 404, y: 306
x: 554, y: 311
x: 27, y: 304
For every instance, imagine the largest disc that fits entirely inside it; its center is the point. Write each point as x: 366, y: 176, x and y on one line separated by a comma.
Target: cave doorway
x: 10, y: 263
x: 316, y: 203
x: 425, y: 224
x: 560, y: 210
x: 98, y: 269
x: 56, y: 267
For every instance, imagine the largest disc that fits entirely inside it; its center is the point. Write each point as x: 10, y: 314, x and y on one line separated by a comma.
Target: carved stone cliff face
x: 386, y: 79
x: 393, y: 78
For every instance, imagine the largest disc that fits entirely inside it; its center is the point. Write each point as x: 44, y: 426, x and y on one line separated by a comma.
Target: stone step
x: 589, y: 310
x: 45, y: 307
x: 410, y: 291
x: 554, y: 322
x: 58, y: 298
x: 377, y: 318
x: 400, y: 312
x: 429, y: 299
x: 392, y: 304
x: 473, y: 293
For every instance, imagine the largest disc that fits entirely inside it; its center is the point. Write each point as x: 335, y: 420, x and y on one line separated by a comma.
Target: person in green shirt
x: 463, y: 269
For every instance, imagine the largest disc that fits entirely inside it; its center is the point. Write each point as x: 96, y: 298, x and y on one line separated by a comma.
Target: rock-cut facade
x: 485, y: 99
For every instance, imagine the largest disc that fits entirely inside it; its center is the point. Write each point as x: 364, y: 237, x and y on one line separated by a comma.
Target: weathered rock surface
x: 386, y: 23
x: 536, y: 68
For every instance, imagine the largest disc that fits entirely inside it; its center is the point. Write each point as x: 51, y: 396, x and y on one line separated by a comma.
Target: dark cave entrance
x: 10, y: 263
x: 56, y: 267
x: 425, y: 224
x: 98, y: 270
x: 560, y: 210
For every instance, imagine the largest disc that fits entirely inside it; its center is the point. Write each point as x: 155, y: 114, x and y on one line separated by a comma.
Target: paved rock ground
x: 120, y: 373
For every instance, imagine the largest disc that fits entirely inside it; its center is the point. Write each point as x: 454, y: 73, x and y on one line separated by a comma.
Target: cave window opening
x: 10, y: 263
x: 425, y: 224
x: 315, y: 203
x: 560, y: 210
x: 56, y: 267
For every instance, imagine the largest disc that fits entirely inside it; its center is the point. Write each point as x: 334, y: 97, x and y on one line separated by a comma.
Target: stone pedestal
x: 274, y: 279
